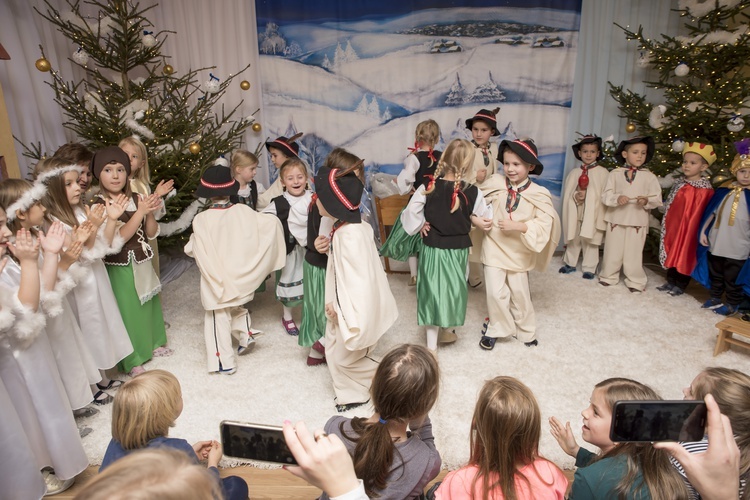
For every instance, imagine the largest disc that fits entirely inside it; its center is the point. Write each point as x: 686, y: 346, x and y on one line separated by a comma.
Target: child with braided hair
x: 443, y: 212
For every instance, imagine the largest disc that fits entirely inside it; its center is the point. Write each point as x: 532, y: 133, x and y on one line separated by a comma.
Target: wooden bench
x: 728, y: 327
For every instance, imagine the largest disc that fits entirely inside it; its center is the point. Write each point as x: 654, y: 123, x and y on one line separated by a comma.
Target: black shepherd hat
x: 286, y: 146
x: 526, y: 150
x: 217, y: 181
x: 110, y: 154
x: 588, y: 139
x: 647, y: 140
x: 488, y: 117
x: 339, y: 194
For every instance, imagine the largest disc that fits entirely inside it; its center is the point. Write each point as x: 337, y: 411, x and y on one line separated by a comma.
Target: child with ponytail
x: 394, y: 450
x: 443, y: 211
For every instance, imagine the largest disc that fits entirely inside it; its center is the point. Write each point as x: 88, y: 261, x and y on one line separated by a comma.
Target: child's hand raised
x: 96, y: 214
x: 24, y: 248
x: 164, y: 187
x: 149, y: 204
x: 116, y: 207
x: 84, y: 231
x: 564, y: 436
x: 52, y: 242
x: 71, y: 254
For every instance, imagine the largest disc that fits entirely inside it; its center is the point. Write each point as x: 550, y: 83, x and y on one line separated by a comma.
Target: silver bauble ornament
x: 678, y: 145
x: 735, y: 124
x: 682, y: 69
x: 148, y: 41
x: 81, y: 57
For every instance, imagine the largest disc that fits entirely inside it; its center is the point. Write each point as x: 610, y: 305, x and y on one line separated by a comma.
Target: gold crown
x: 706, y: 151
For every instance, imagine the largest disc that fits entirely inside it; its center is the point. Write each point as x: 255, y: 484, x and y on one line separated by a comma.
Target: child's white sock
x: 315, y: 354
x: 413, y: 265
x: 322, y: 340
x: 287, y: 313
x: 432, y: 337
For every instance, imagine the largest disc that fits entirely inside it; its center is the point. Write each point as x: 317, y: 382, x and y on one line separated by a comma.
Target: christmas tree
x: 704, y: 81
x: 130, y: 89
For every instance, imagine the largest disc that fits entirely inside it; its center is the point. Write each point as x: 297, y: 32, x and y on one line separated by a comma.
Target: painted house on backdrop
x: 362, y: 76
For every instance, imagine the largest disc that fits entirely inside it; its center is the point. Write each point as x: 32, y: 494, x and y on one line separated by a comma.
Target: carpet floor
x: 586, y: 333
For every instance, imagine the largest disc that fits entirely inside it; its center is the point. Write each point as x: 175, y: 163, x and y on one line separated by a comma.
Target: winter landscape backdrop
x: 361, y: 76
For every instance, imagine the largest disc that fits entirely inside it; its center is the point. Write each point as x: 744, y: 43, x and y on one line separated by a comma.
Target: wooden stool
x: 727, y: 327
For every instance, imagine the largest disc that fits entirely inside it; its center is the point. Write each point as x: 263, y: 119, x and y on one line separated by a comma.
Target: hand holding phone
x: 650, y: 421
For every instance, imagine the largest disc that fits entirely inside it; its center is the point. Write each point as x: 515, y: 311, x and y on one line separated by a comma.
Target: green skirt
x: 399, y: 245
x: 144, y: 323
x: 441, y: 286
x: 313, y: 325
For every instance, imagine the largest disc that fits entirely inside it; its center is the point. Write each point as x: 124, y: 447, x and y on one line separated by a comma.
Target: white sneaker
x: 54, y: 484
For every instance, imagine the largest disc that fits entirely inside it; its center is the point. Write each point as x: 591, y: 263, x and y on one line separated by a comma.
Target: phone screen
x: 658, y: 421
x: 255, y: 442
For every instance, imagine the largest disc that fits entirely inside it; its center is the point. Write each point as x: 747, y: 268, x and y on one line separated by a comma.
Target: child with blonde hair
x: 280, y: 150
x: 144, y: 410
x: 443, y: 211
x: 292, y: 210
x: 419, y: 169
x: 504, y: 460
x: 358, y: 301
x: 523, y: 236
x: 622, y: 470
x: 140, y: 183
x: 731, y: 390
x: 244, y: 166
x: 394, y: 449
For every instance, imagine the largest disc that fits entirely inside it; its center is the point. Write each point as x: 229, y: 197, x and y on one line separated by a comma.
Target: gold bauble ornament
x: 630, y: 128
x: 245, y: 85
x: 719, y: 179
x: 194, y: 148
x: 256, y: 127
x: 43, y: 65
x: 168, y: 69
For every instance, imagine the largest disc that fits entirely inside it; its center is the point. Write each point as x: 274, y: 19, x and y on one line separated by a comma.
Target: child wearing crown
x: 725, y: 239
x: 582, y: 208
x: 682, y: 212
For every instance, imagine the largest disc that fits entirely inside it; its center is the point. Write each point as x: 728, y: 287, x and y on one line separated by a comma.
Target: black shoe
x: 588, y: 276
x: 566, y: 269
x: 676, y: 291
x: 487, y: 343
x: 666, y: 287
x: 533, y: 343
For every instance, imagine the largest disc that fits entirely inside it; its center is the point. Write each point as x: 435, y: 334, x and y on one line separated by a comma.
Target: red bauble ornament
x: 583, y: 182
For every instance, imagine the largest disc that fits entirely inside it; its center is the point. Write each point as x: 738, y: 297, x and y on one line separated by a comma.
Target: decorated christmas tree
x: 704, y: 79
x: 130, y: 89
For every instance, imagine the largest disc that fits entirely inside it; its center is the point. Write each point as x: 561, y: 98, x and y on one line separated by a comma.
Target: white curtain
x: 219, y: 33
x: 223, y: 33
x: 604, y: 55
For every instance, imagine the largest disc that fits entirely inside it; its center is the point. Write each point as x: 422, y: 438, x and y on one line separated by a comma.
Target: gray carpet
x: 586, y: 332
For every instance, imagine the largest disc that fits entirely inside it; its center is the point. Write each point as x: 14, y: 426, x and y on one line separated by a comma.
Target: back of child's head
x: 11, y: 191
x: 242, y: 158
x: 660, y: 478
x: 143, y: 174
x: 145, y: 408
x: 163, y: 473
x: 343, y: 160
x: 404, y: 389
x: 731, y: 390
x: 456, y: 160
x: 291, y: 164
x: 427, y: 133
x: 74, y: 153
x: 505, y: 432
x: 53, y: 172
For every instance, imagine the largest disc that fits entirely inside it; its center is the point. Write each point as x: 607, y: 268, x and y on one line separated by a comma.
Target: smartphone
x: 264, y: 443
x: 658, y: 421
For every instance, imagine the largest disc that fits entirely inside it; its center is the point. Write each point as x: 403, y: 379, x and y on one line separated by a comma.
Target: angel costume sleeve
x: 357, y: 287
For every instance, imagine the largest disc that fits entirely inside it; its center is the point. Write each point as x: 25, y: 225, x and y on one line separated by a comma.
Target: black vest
x: 426, y: 166
x: 449, y: 230
x: 312, y: 256
x: 251, y: 201
x: 282, y: 212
